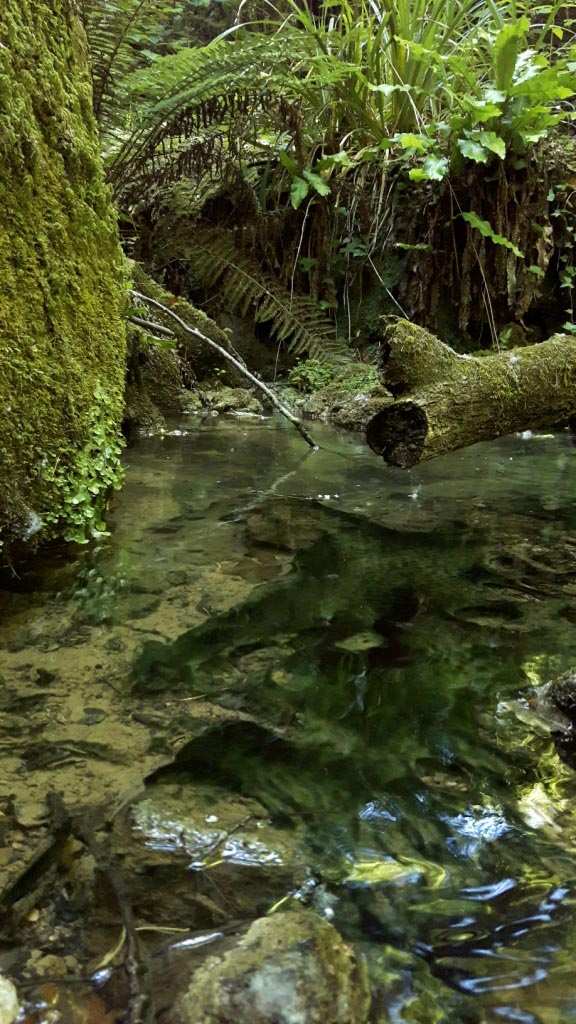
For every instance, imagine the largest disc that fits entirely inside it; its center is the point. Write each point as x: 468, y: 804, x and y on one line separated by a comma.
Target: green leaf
x: 342, y: 159
x: 287, y: 161
x: 486, y: 230
x: 318, y: 183
x: 410, y: 141
x: 435, y: 167
x: 506, y: 50
x: 494, y: 95
x: 298, y: 192
x: 494, y: 143
x: 420, y: 246
x: 482, y: 110
x: 307, y: 263
x: 473, y: 150
x: 385, y: 88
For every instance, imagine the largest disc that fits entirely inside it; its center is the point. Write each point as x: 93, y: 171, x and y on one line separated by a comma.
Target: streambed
x: 290, y: 676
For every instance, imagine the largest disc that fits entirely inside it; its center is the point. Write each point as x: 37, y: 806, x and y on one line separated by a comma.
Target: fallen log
x: 457, y: 400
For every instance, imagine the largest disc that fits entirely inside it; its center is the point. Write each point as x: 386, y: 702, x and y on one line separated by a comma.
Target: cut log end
x: 398, y: 433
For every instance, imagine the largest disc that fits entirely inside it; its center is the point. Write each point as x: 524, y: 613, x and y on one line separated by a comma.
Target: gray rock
x: 291, y: 968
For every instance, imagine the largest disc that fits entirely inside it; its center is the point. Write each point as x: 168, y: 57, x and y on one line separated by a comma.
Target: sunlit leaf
x: 494, y: 143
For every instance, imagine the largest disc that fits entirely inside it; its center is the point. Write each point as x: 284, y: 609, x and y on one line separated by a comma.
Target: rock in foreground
x: 292, y: 968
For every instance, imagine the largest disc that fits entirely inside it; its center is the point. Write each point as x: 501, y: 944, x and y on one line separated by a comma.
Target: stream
x: 326, y: 671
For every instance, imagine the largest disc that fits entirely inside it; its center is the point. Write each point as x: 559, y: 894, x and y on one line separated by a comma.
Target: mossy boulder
x: 62, y: 334
x: 233, y: 400
x: 288, y: 968
x: 347, y: 394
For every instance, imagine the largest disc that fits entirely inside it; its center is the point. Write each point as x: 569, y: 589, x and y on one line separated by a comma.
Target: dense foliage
x: 316, y: 115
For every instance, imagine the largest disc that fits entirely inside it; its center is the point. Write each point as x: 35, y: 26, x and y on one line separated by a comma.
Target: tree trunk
x: 62, y: 288
x: 459, y: 400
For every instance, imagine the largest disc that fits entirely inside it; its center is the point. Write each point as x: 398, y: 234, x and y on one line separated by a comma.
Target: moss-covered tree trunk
x: 457, y: 400
x: 62, y: 337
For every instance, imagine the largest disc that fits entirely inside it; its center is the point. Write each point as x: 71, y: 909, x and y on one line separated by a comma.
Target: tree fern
x: 243, y: 286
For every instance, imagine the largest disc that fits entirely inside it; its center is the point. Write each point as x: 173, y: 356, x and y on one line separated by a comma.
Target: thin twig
x: 222, y: 351
x: 151, y: 326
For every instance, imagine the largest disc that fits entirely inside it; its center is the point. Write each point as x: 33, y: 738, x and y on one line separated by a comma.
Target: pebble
x: 8, y: 1001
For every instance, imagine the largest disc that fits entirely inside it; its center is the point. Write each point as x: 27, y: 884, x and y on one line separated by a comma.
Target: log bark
x: 457, y: 400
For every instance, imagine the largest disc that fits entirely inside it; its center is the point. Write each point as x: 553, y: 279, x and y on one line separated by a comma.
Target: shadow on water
x: 376, y: 665
x: 373, y: 666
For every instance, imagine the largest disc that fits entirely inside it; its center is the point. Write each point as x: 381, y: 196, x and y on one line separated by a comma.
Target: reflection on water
x: 373, y: 630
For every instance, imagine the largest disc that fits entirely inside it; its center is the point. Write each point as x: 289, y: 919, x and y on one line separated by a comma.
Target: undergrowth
x: 327, y: 114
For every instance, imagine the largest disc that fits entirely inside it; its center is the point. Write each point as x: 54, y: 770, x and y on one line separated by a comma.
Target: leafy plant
x: 310, y: 375
x: 95, y: 472
x: 486, y: 230
x: 124, y: 35
x: 562, y: 196
x: 323, y: 110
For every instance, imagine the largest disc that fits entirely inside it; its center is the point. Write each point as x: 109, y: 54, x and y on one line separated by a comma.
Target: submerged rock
x: 195, y: 856
x: 292, y: 968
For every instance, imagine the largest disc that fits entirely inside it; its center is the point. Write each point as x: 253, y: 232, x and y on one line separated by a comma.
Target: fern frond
x: 236, y: 85
x: 119, y: 38
x: 293, y: 319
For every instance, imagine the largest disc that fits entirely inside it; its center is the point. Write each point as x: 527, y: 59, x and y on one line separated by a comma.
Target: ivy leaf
x: 486, y: 230
x: 419, y: 246
x: 494, y: 95
x: 299, y: 191
x: 287, y: 161
x: 307, y: 263
x: 341, y: 158
x: 482, y: 110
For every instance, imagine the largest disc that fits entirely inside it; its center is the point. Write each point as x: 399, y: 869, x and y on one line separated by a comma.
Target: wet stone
x: 31, y: 814
x: 291, y: 968
x: 213, y: 856
x: 8, y: 1001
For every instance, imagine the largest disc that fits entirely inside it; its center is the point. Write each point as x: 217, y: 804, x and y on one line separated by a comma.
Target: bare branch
x: 231, y: 359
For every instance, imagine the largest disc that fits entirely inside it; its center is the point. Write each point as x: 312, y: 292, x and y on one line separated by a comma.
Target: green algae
x: 62, y: 333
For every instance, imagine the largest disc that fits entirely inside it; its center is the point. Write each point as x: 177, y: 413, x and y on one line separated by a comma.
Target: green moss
x: 310, y: 375
x: 62, y: 334
x: 199, y: 355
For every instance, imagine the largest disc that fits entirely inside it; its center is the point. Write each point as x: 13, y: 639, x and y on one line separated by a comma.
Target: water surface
x: 371, y: 639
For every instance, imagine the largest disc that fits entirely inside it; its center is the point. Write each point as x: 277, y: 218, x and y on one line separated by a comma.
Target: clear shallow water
x: 379, y: 626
